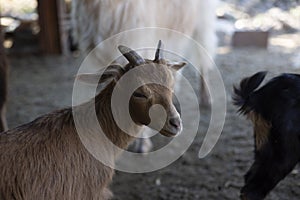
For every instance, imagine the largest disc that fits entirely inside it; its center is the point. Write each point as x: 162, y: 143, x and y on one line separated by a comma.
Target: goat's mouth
x: 172, y: 128
x: 167, y: 133
x: 170, y: 132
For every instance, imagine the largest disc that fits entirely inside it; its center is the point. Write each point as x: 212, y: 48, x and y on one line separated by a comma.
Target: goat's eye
x: 139, y: 95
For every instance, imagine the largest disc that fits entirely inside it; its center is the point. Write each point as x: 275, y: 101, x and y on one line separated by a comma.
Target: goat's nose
x: 175, y: 122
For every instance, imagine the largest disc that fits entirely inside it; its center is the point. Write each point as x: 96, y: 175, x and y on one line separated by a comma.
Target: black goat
x: 275, y: 112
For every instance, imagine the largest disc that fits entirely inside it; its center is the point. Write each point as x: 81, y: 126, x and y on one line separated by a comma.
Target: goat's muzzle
x: 172, y: 127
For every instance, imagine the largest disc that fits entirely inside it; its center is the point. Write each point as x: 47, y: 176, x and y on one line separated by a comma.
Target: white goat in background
x: 96, y: 20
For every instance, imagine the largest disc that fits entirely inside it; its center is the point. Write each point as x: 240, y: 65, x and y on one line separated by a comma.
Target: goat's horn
x: 159, y: 53
x: 133, y: 58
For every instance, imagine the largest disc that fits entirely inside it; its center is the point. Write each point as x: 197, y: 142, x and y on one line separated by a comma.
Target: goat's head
x: 149, y: 94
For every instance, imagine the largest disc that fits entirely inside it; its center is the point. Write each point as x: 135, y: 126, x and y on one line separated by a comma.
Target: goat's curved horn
x: 133, y: 58
x: 159, y: 53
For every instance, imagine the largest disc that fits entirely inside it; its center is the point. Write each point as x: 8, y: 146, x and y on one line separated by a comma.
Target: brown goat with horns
x: 45, y: 159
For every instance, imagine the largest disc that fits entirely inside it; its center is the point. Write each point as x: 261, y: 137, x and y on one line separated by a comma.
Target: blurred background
x: 32, y: 26
x: 35, y: 26
x: 253, y: 35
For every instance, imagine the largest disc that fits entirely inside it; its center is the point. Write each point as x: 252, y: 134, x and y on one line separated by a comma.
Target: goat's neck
x: 85, y: 121
x: 102, y: 106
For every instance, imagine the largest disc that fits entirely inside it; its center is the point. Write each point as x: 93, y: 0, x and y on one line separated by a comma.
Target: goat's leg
x: 3, y: 122
x: 3, y: 84
x: 107, y: 194
x: 204, y: 94
x: 272, y: 163
x: 143, y: 144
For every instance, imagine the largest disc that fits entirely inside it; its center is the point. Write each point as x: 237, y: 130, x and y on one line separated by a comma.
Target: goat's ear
x: 177, y: 66
x: 112, y: 72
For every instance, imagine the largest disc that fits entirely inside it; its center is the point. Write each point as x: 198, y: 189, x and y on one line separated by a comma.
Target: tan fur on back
x: 43, y: 160
x: 261, y: 129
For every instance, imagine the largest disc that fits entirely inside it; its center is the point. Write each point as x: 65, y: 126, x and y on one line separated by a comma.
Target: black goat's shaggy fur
x: 274, y: 110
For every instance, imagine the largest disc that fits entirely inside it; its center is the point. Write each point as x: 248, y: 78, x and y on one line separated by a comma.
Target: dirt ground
x: 40, y: 84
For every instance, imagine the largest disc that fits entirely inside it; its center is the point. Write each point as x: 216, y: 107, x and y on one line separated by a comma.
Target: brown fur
x: 261, y: 129
x: 45, y: 159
